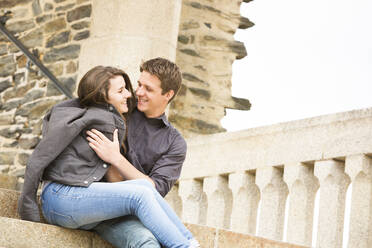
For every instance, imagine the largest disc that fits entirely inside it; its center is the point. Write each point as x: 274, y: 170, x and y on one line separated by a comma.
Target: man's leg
x: 126, y: 232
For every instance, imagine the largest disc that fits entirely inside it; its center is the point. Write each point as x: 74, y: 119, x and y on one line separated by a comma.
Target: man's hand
x: 107, y: 150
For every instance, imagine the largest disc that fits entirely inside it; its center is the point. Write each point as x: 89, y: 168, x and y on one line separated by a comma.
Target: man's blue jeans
x: 85, y: 208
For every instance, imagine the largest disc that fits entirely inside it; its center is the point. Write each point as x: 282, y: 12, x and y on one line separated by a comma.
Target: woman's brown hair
x: 95, y: 84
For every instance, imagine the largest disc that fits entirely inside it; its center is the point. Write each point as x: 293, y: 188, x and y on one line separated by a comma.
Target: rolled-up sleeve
x: 167, y: 168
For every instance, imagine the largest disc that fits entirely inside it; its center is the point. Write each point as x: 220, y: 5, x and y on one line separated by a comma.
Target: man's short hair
x: 168, y: 73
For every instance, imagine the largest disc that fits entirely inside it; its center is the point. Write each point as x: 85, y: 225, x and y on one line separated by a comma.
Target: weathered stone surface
x: 193, y: 78
x: 6, y: 4
x: 71, y: 67
x: 79, y: 13
x: 55, y: 25
x: 20, y: 13
x: 58, y: 39
x: 5, y: 85
x: 68, y: 83
x: 194, y: 125
x: 183, y: 39
x: 238, y: 48
x: 82, y: 35
x: 12, y: 104
x: 11, y: 132
x: 7, y: 65
x: 37, y: 109
x: 81, y: 25
x: 56, y: 69
x: 64, y: 53
x: 6, y: 182
x: 20, y: 26
x: 190, y: 52
x: 11, y: 144
x: 3, y: 49
x: 65, y: 7
x: 33, y: 39
x: 190, y: 25
x: 21, y: 61
x: 241, y: 103
x: 19, y: 78
x: 48, y: 6
x: 201, y: 93
x: 59, y: 1
x: 28, y: 142
x: 18, y: 92
x: 6, y: 118
x: 245, y: 23
x: 23, y: 157
x: 43, y: 18
x: 7, y: 157
x: 36, y: 8
x: 33, y: 95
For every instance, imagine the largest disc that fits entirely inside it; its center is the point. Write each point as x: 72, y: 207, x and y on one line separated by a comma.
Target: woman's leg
x: 165, y: 206
x: 73, y: 207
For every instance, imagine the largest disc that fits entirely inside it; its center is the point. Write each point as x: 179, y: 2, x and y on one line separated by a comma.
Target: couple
x: 106, y: 159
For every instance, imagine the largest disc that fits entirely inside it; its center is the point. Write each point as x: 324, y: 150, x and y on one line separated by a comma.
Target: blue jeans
x: 84, y: 208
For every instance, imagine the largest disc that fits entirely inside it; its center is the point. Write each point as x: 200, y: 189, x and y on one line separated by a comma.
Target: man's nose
x: 139, y: 91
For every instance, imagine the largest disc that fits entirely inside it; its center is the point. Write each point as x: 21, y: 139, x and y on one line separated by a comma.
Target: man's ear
x: 169, y: 94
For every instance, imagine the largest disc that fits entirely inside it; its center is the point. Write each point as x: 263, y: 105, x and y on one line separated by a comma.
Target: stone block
x: 23, y: 158
x: 65, y: 7
x: 3, y: 49
x: 20, y: 26
x: 79, y: 13
x: 33, y: 39
x: 205, y: 235
x: 37, y: 109
x: 58, y: 39
x: 36, y: 8
x: 9, y: 201
x: 44, y: 18
x: 68, y: 83
x: 81, y: 25
x: 6, y: 4
x: 7, y: 157
x: 5, y: 85
x: 64, y: 53
x: 55, y: 25
x: 48, y: 6
x: 82, y: 35
x: 7, y: 66
x: 7, y: 182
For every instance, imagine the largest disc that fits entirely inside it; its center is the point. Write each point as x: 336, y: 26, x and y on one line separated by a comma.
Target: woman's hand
x: 107, y: 150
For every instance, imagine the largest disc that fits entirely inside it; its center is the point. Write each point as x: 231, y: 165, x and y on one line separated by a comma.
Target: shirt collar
x: 162, y: 119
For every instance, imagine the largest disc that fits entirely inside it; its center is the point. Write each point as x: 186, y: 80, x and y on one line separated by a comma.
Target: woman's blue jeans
x: 85, y: 207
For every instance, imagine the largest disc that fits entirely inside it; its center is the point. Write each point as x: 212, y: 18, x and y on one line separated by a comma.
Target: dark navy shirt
x: 155, y: 148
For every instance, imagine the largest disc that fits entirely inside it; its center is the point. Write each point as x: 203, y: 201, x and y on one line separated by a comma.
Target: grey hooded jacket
x: 64, y: 155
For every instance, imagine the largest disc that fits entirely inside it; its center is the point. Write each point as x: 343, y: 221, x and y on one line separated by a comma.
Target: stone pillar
x: 302, y: 185
x: 174, y: 200
x: 359, y: 168
x: 125, y: 32
x: 246, y: 196
x: 191, y: 192
x: 333, y: 185
x: 219, y: 201
x: 273, y: 196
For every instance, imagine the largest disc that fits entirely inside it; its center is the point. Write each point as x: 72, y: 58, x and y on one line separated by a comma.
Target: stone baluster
x: 359, y: 168
x: 219, y: 199
x: 302, y: 185
x: 191, y: 192
x: 246, y: 197
x: 333, y: 185
x: 174, y: 200
x: 273, y: 196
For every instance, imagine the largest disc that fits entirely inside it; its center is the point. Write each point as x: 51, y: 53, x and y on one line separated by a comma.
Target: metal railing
x: 29, y: 55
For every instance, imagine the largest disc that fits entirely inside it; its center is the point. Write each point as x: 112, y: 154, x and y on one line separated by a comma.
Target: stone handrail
x: 227, y: 175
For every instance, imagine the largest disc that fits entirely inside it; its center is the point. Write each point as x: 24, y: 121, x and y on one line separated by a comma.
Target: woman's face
x: 118, y: 94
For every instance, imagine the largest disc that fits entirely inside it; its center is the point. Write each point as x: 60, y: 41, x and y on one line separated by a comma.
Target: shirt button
x: 111, y: 108
x: 94, y: 178
x: 86, y: 182
x: 104, y: 165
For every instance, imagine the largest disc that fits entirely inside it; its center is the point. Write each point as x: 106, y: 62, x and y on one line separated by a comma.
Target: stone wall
x: 54, y: 31
x: 205, y: 53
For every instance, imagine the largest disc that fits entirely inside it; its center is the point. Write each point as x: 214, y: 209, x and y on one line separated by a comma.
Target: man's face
x: 151, y: 101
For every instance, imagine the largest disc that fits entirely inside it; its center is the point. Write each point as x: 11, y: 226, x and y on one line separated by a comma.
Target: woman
x: 77, y: 190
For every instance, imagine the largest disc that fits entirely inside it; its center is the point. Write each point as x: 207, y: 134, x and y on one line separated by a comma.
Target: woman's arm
x: 109, y: 151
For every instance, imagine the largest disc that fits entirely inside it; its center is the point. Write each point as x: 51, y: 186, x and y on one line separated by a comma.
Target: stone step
x: 19, y: 234
x: 209, y: 237
x: 8, y: 182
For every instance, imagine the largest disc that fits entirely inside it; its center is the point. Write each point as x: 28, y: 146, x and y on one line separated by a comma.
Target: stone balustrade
x: 242, y: 180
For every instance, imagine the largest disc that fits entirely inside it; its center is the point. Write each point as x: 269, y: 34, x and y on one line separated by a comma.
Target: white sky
x: 305, y: 58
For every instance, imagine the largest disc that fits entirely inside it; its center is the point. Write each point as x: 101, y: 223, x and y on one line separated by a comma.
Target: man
x: 155, y: 149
